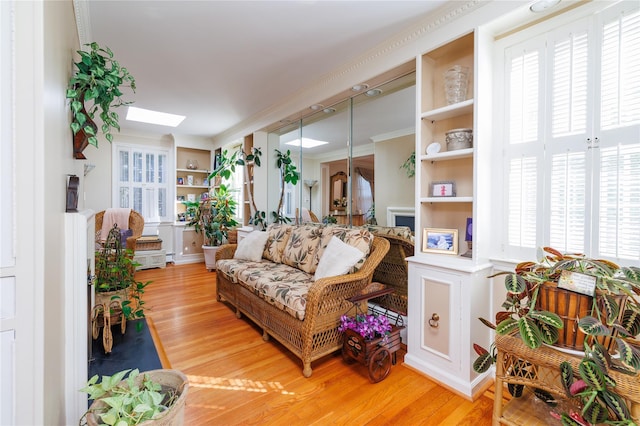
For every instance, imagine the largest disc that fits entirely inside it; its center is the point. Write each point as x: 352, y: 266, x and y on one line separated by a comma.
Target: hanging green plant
x: 95, y: 87
x: 410, y: 165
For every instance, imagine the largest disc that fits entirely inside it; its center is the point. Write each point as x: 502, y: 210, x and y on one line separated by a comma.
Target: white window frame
x: 592, y: 142
x: 150, y: 189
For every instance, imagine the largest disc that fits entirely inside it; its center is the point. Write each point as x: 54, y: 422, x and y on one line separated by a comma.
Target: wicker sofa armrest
x: 226, y: 251
x: 327, y: 297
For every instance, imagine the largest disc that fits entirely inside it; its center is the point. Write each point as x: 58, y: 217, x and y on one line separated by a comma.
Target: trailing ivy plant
x: 97, y: 82
x: 115, y: 270
x: 124, y: 401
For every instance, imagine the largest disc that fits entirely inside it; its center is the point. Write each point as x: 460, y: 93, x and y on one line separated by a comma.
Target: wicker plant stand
x: 107, y: 312
x: 376, y: 354
x: 542, y: 371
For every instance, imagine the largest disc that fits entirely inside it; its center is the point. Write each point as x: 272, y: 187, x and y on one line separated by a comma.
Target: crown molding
x: 392, y: 135
x: 83, y: 22
x: 401, y: 48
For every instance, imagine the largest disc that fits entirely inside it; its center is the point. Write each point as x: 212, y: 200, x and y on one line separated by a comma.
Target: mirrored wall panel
x: 354, y: 158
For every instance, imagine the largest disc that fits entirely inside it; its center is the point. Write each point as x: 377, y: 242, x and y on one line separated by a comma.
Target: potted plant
x: 608, y: 321
x: 118, y: 296
x: 98, y: 79
x: 288, y: 174
x: 153, y: 397
x: 227, y: 165
x: 214, y: 218
x: 370, y: 340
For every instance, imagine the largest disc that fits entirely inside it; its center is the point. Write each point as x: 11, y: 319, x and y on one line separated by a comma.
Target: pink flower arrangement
x: 368, y: 326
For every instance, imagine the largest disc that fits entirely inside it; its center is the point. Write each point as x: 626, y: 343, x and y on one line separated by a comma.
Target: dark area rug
x: 134, y: 349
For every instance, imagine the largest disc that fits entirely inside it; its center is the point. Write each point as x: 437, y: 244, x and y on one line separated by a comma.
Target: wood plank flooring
x: 238, y: 379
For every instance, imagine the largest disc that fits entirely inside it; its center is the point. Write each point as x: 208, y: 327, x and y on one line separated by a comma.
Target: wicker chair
x: 393, y: 271
x: 301, y: 219
x: 136, y: 224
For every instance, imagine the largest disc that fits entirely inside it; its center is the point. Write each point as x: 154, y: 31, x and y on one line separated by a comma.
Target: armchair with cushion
x: 135, y: 224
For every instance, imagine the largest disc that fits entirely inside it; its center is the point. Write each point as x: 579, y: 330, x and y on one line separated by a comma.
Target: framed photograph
x: 180, y: 181
x: 443, y: 189
x: 181, y: 198
x: 437, y: 240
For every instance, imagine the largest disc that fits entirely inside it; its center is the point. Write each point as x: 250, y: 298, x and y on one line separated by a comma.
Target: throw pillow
x: 251, y: 246
x: 338, y: 258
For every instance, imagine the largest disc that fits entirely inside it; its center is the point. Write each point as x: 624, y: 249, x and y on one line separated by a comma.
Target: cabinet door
x: 440, y: 298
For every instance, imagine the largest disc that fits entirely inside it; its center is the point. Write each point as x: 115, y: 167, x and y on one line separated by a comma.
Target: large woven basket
x: 572, y: 306
x: 174, y: 416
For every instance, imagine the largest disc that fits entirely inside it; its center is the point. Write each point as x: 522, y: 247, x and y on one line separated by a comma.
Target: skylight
x: 306, y: 143
x: 154, y: 117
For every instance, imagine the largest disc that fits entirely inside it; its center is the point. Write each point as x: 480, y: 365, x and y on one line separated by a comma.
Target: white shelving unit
x: 448, y: 292
x: 187, y: 243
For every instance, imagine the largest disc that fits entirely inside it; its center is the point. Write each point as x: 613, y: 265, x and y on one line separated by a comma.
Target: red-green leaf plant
x: 608, y: 318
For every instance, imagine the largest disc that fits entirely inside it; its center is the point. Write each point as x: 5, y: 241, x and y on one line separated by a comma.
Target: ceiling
x: 221, y: 62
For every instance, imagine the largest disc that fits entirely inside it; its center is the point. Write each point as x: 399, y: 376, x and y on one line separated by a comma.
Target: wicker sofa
x: 279, y: 292
x: 393, y: 270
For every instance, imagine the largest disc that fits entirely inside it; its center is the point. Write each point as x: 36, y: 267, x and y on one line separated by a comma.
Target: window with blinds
x: 143, y: 181
x: 573, y: 145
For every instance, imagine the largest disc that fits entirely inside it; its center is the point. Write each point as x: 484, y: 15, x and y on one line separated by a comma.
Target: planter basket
x: 572, y: 306
x: 168, y: 379
x: 374, y: 353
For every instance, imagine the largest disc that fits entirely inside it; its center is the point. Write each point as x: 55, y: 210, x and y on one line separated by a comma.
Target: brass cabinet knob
x: 433, y: 321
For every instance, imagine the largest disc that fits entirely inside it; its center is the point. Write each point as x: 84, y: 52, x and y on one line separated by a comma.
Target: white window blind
x: 524, y: 79
x: 569, y: 91
x: 143, y: 181
x: 567, y: 202
x: 522, y: 205
x: 620, y: 87
x: 576, y: 145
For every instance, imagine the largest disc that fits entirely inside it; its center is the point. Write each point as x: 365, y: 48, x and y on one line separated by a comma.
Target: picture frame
x: 180, y: 181
x: 443, y: 189
x: 440, y: 240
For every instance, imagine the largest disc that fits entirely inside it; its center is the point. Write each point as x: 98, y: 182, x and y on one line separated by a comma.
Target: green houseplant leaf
x: 96, y: 84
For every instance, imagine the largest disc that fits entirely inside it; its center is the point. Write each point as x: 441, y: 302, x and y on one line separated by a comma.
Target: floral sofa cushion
x: 356, y: 237
x: 302, y: 246
x: 231, y: 267
x: 277, y: 241
x: 396, y: 231
x: 281, y: 285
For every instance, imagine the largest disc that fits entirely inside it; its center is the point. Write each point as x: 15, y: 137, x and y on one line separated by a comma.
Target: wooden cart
x: 377, y: 354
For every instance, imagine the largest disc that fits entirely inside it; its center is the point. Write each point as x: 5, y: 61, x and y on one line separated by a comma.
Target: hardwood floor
x: 238, y: 379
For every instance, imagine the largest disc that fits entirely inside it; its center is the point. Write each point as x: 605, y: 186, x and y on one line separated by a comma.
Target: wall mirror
x: 338, y: 191
x: 361, y: 142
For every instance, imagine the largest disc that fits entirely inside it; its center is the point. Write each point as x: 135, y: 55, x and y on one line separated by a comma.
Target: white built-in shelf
x: 193, y: 171
x: 446, y: 199
x: 192, y: 186
x: 450, y: 261
x: 449, y: 111
x: 448, y: 155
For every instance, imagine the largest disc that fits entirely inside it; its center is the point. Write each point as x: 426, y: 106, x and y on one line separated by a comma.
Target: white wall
x: 42, y: 144
x: 392, y: 186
